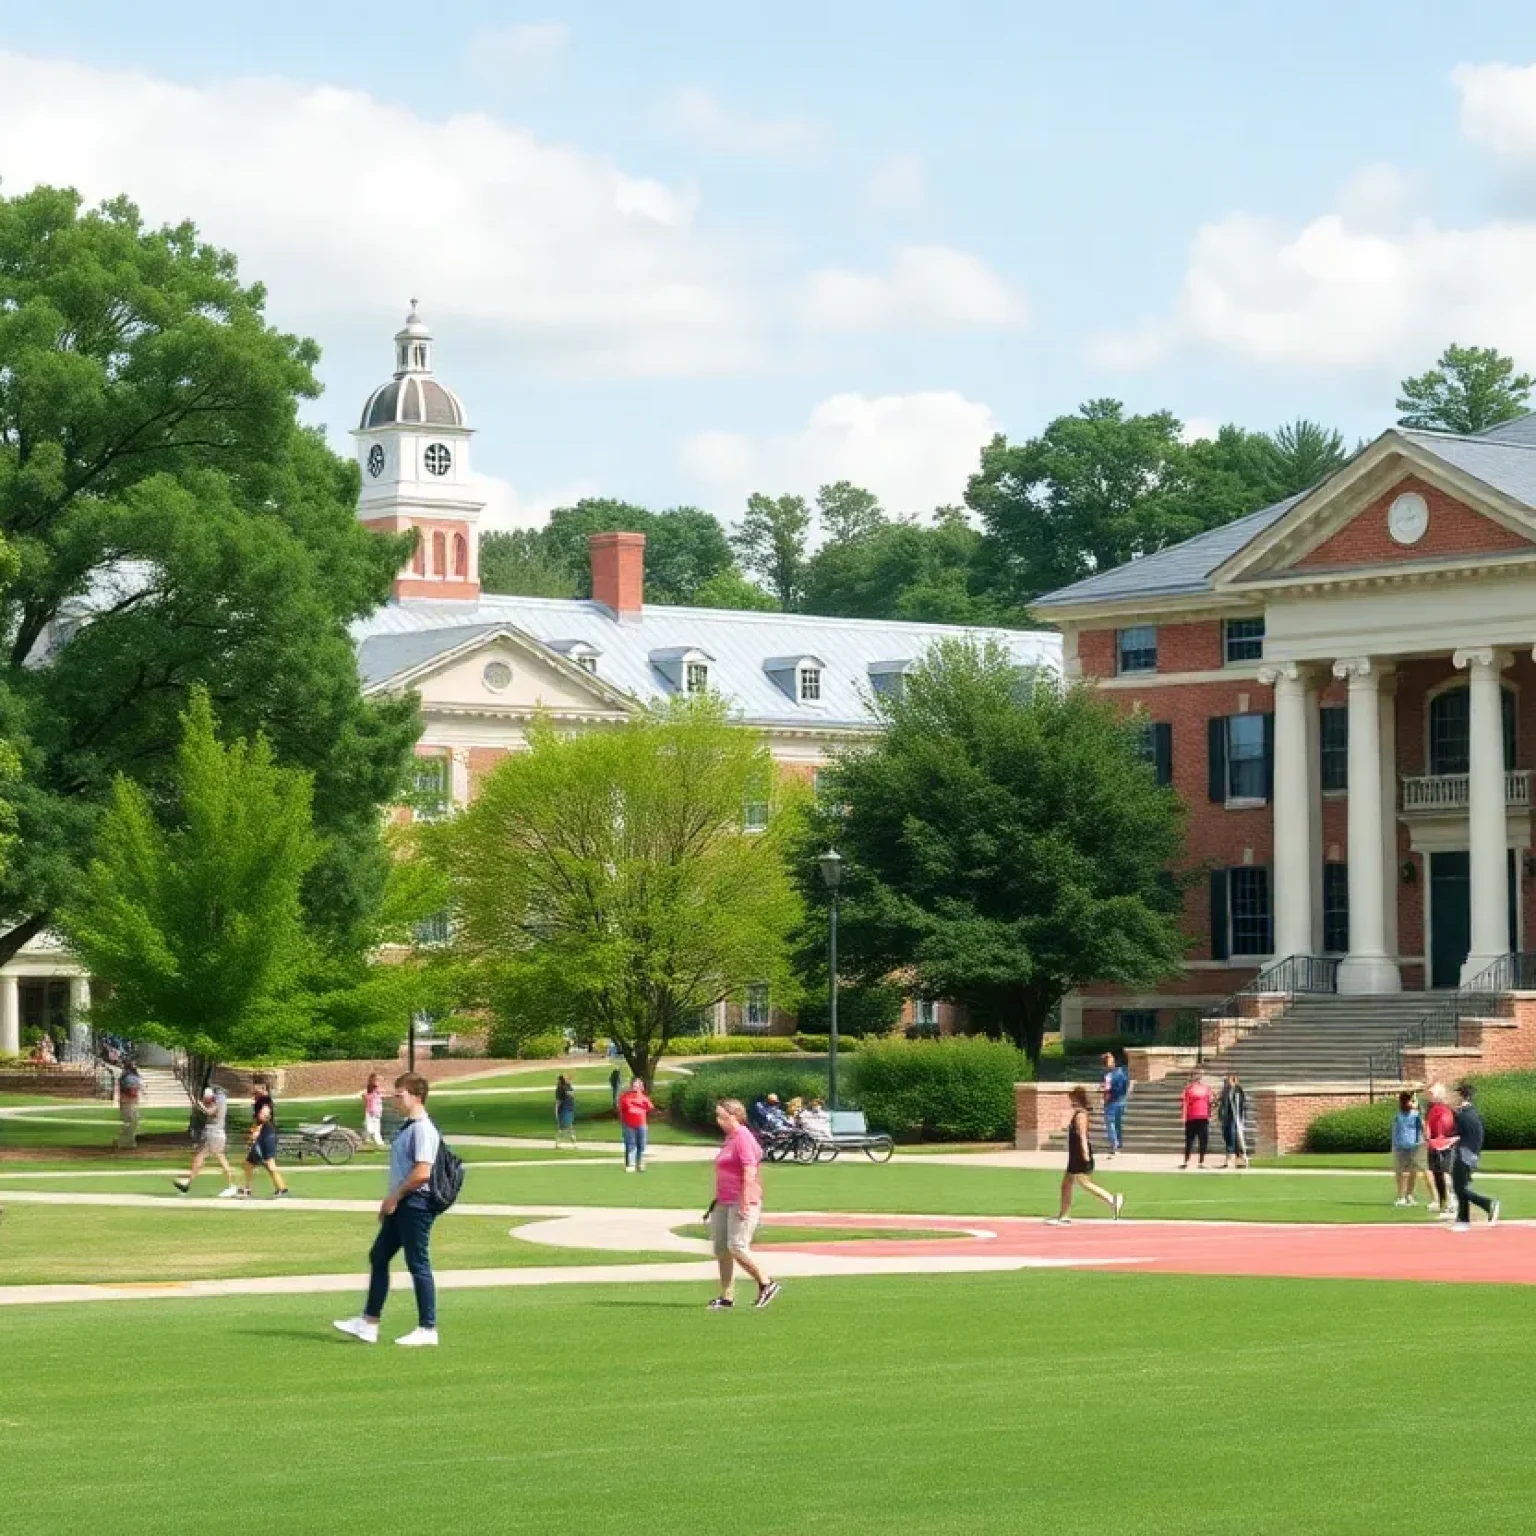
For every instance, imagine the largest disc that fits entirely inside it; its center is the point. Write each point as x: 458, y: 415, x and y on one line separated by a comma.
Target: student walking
x: 1440, y: 1126
x: 405, y: 1221
x: 1469, y: 1153
x: 373, y: 1112
x: 129, y: 1086
x: 613, y: 1086
x: 1410, y: 1150
x: 1080, y: 1164
x: 565, y: 1112
x: 1232, y: 1109
x: 1116, y: 1088
x: 634, y: 1107
x: 212, y: 1139
x: 262, y: 1150
x: 1197, y: 1117
x: 734, y: 1213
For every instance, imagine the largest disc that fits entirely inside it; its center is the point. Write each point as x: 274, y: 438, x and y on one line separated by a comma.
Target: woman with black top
x: 1080, y: 1164
x: 565, y: 1112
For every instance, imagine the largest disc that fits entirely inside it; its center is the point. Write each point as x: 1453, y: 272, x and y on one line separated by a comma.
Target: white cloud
x: 915, y: 452
x: 1374, y: 284
x: 519, y: 55
x: 346, y: 205
x: 505, y: 508
x: 710, y: 127
x: 898, y: 185
x: 928, y: 288
x: 1199, y: 429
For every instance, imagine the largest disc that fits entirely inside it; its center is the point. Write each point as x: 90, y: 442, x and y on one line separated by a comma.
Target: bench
x: 848, y: 1131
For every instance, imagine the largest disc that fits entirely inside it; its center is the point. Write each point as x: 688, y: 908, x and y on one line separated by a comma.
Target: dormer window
x: 685, y: 667
x: 799, y: 677
x: 696, y: 677
x: 578, y: 652
x: 887, y: 678
x: 587, y: 661
x: 810, y: 685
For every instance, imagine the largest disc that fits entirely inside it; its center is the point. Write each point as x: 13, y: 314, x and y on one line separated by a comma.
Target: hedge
x: 1507, y: 1102
x: 955, y: 1089
x: 821, y: 1044
x: 729, y: 1045
x: 692, y: 1099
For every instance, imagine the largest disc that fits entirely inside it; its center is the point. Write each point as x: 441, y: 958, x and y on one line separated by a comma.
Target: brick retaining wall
x: 327, y: 1079
x: 61, y: 1082
x: 1284, y: 1111
x: 1040, y: 1111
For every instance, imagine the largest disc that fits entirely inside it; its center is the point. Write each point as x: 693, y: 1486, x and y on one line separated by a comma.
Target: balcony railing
x: 1438, y: 794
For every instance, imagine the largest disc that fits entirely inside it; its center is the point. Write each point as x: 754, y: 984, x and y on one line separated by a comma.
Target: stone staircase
x: 1316, y: 1039
x: 160, y: 1089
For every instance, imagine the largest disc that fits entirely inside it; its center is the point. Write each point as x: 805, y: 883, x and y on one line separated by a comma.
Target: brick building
x: 1341, y: 688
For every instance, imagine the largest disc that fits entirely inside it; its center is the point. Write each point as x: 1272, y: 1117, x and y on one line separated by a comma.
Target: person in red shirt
x: 1197, y: 1117
x: 634, y: 1106
x: 1440, y: 1131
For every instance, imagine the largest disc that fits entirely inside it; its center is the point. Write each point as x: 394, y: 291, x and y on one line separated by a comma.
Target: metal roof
x: 401, y: 636
x: 1506, y: 464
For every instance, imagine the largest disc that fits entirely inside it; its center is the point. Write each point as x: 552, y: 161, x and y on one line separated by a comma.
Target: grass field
x: 950, y: 1407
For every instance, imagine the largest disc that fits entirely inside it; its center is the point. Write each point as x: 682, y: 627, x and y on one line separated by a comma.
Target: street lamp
x: 832, y: 874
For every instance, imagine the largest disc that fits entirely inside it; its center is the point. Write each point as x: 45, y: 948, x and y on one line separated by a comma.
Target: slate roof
x: 401, y: 636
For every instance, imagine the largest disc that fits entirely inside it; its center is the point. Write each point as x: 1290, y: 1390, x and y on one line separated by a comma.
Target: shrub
x: 821, y: 1044
x: 692, y: 1099
x: 1506, y: 1100
x: 872, y: 1010
x: 540, y: 1047
x: 956, y: 1089
x: 1360, y: 1128
x: 730, y: 1045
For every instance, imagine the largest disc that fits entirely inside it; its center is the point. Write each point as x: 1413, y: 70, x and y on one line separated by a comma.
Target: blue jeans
x: 634, y: 1144
x: 409, y: 1228
x: 1114, y: 1116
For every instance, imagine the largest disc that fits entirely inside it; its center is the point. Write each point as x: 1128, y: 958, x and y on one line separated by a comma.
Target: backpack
x: 446, y: 1180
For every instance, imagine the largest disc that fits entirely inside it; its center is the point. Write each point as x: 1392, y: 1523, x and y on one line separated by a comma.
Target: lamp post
x: 832, y: 874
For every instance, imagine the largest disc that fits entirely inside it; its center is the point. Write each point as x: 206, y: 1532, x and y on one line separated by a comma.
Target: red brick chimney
x: 618, y: 571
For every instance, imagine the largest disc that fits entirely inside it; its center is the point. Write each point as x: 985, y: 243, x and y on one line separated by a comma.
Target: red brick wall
x: 1096, y: 652
x: 481, y: 761
x: 1454, y: 529
x: 324, y: 1079
x: 1192, y: 647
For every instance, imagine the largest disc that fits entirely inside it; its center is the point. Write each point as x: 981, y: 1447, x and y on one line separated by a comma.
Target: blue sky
x: 674, y: 252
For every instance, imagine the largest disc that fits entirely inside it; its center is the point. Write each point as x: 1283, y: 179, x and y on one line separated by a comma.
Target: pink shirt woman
x: 733, y: 1214
x: 1197, y: 1119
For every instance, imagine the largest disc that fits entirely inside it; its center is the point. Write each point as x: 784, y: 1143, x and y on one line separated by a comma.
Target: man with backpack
x: 424, y: 1180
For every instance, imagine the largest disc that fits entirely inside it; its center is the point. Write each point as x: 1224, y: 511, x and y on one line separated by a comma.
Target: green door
x: 1450, y: 908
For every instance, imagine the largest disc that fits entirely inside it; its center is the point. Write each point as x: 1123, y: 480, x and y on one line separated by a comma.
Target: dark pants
x: 409, y: 1228
x: 1439, y: 1163
x: 1466, y: 1196
x: 1197, y: 1134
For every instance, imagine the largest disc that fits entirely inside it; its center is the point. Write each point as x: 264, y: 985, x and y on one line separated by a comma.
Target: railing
x: 1437, y: 793
x: 1440, y: 1024
x: 1294, y: 975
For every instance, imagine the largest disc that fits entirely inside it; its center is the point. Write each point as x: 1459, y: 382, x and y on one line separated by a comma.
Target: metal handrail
x: 1512, y: 972
x: 1293, y: 975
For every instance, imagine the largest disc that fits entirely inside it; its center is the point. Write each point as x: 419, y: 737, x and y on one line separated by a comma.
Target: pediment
x: 1396, y: 508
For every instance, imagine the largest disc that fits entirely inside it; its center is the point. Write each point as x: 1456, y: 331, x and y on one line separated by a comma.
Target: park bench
x: 848, y: 1131
x: 323, y: 1138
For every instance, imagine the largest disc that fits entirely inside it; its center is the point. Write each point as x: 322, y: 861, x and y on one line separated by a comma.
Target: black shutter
x: 1269, y: 757
x: 1162, y: 751
x: 1220, y: 950
x: 1216, y: 749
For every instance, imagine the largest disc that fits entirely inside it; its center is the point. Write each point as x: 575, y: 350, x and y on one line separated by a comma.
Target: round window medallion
x: 497, y: 675
x: 376, y: 461
x: 1408, y: 518
x: 438, y: 459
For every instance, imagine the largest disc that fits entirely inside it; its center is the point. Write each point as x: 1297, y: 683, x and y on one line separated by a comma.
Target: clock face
x: 376, y: 461
x: 438, y: 459
x: 1408, y: 518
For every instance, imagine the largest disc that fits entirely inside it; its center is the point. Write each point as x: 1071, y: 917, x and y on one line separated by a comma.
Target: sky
x: 678, y: 252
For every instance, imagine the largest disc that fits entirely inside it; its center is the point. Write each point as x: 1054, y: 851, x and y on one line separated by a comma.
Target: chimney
x: 618, y: 572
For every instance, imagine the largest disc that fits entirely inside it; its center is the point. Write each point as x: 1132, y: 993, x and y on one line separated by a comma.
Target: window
x: 433, y: 930
x: 460, y: 556
x: 1137, y: 648
x: 1333, y: 747
x: 1139, y: 1023
x: 886, y: 685
x: 755, y: 1012
x: 755, y: 818
x: 1247, y: 769
x: 1248, y: 896
x: 439, y: 554
x: 1450, y: 731
x: 925, y: 1012
x: 810, y: 684
x: 1335, y: 909
x: 1157, y: 748
x: 696, y: 677
x: 587, y: 663
x: 438, y: 459
x: 1245, y: 639
x: 430, y: 787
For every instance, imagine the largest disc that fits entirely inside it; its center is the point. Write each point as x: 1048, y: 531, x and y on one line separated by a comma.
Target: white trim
x: 1238, y: 672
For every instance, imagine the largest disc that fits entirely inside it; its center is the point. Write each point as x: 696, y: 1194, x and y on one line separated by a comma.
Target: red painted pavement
x: 1502, y: 1255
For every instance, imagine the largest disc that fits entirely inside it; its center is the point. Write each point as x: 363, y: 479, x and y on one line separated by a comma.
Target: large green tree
x: 516, y: 561
x: 606, y: 881
x: 191, y: 910
x: 172, y: 526
x: 772, y: 542
x: 847, y: 511
x: 1468, y: 390
x: 1005, y: 842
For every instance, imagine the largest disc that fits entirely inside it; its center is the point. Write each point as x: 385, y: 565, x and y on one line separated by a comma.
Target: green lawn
x: 1493, y: 1162
x: 952, y: 1407
x: 94, y: 1244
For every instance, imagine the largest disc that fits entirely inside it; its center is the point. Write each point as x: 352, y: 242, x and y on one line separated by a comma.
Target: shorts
x: 1440, y: 1159
x: 731, y: 1231
x: 213, y: 1143
x: 1410, y: 1159
x: 263, y: 1149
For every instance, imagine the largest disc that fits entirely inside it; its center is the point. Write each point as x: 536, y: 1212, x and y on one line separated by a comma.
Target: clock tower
x: 413, y: 450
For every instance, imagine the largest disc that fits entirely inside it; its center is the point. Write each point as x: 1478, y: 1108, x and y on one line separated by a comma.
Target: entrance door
x: 1450, y: 914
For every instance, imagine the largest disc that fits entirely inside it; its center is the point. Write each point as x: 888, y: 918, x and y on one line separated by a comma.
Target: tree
x: 848, y: 512
x: 1304, y: 454
x: 685, y: 548
x: 1469, y: 390
x: 771, y: 543
x: 1004, y: 842
x: 173, y: 526
x: 192, y: 912
x: 516, y: 562
x: 606, y: 881
x: 730, y: 589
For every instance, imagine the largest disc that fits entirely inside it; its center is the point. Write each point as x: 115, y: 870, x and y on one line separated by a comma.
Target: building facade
x: 1341, y: 689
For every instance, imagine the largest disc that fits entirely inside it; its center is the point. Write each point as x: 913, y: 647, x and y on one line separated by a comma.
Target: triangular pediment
x: 1398, y: 505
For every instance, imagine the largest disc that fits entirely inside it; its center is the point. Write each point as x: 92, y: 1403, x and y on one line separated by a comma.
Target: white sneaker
x: 1448, y: 1214
x: 1462, y: 1226
x: 1493, y: 1214
x: 629, y: 1167
x: 229, y: 1192
x: 1401, y: 1201
x: 1058, y: 1221
x: 358, y: 1328
x: 1118, y: 1206
x: 418, y: 1338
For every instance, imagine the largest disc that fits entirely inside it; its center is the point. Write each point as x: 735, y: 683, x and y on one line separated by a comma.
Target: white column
x: 1315, y: 802
x: 1367, y: 968
x: 1487, y: 841
x: 10, y: 1016
x: 1294, y: 832
x: 79, y: 1002
x: 1386, y: 714
x: 458, y: 777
